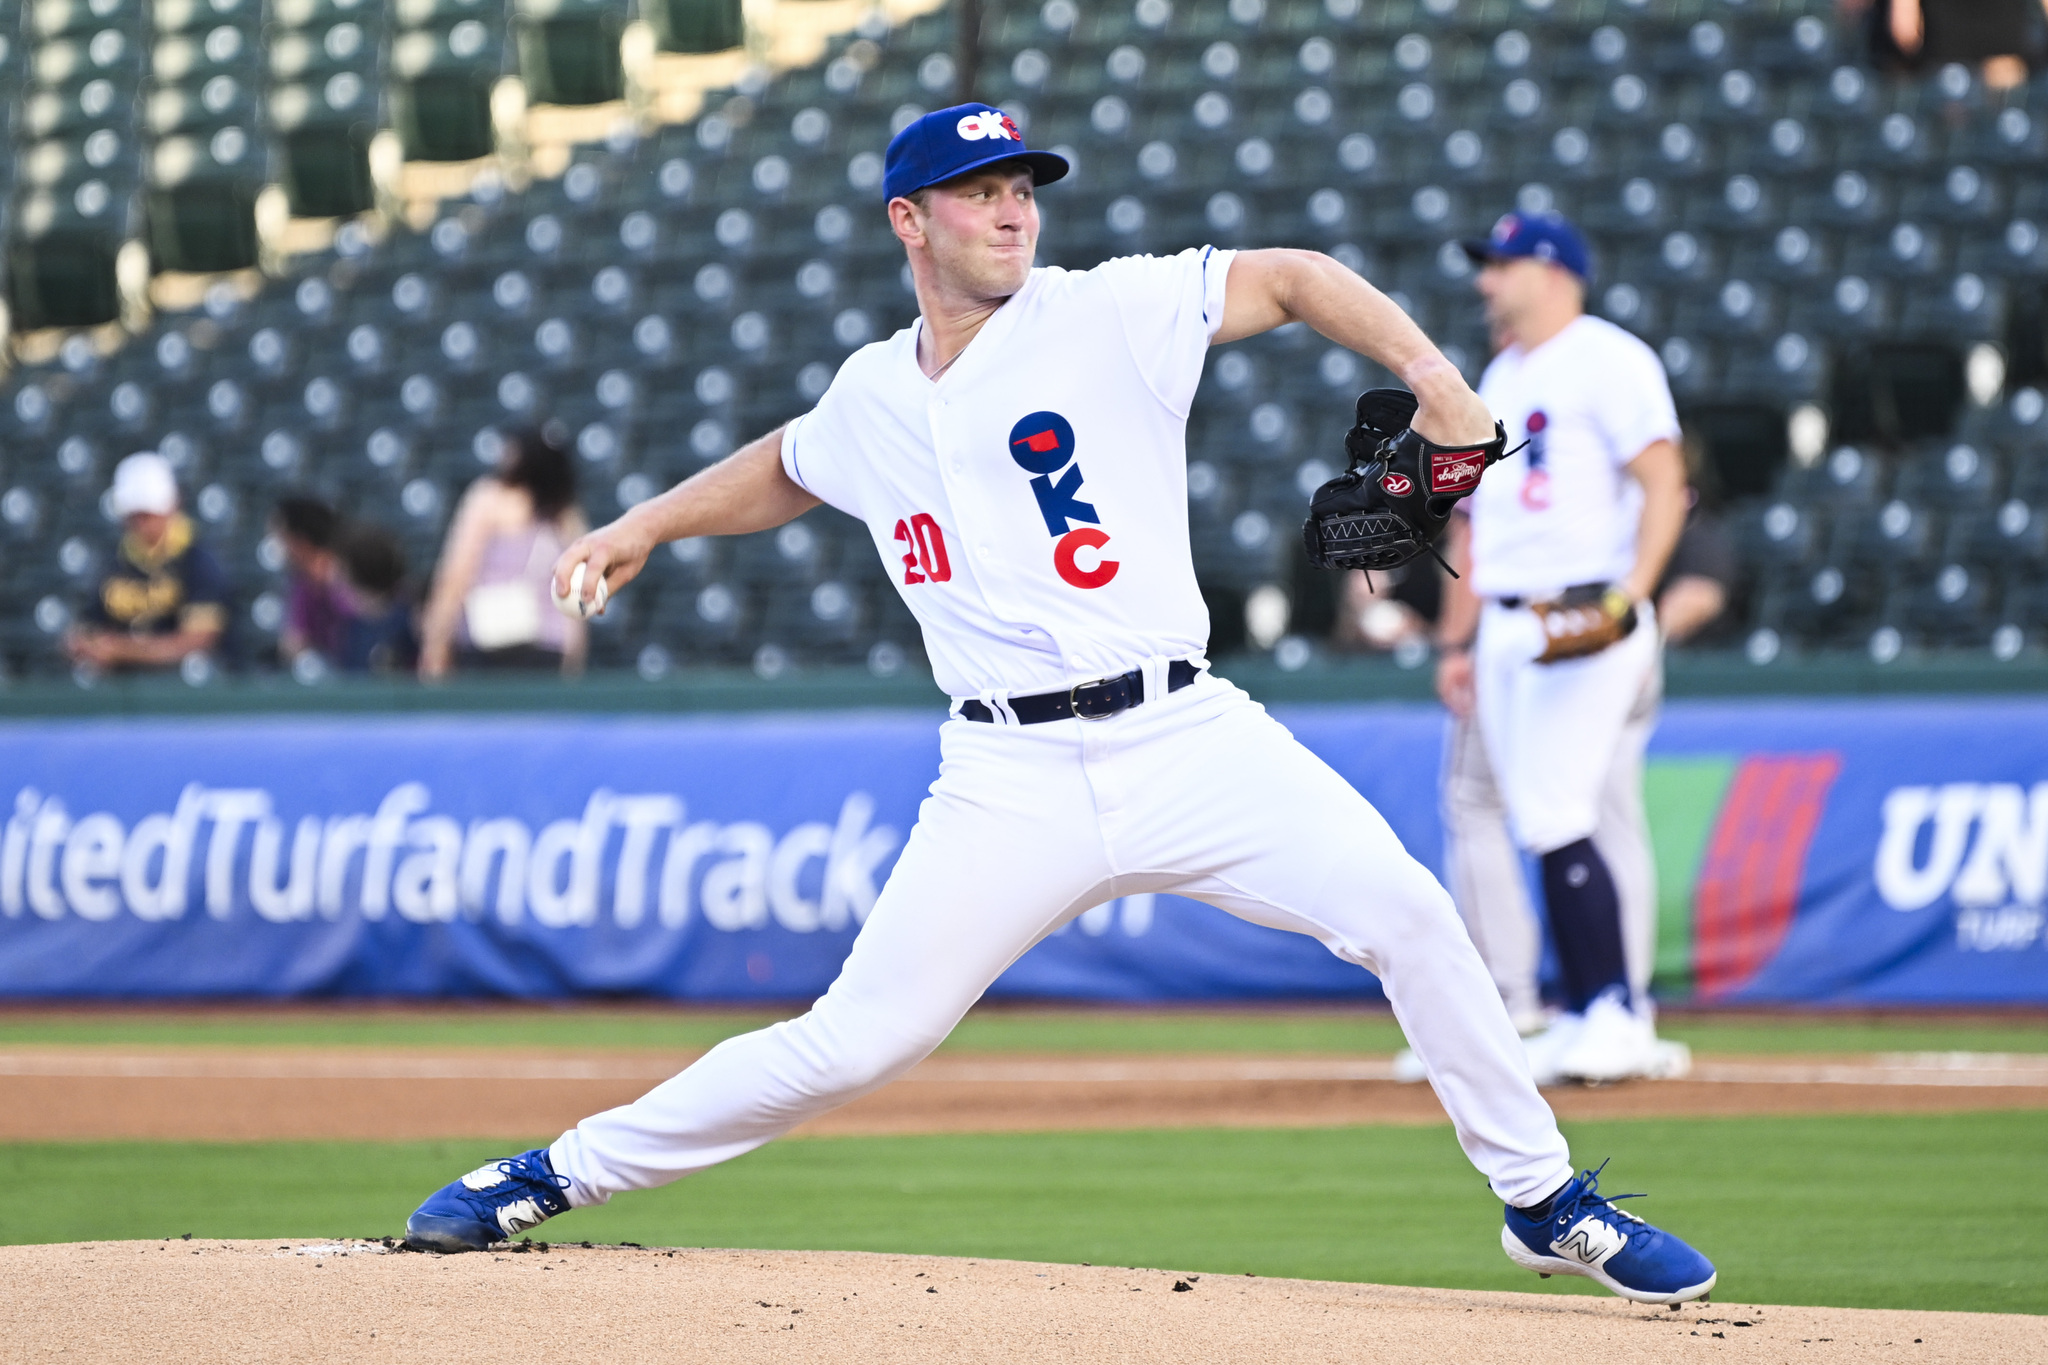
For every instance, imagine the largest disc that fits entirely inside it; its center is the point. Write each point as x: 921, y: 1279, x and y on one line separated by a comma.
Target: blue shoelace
x: 530, y: 1170
x: 1589, y: 1200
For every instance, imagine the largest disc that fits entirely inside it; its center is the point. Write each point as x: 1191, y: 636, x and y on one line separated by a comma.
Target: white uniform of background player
x: 1549, y: 756
x: 1488, y: 878
x: 1484, y: 868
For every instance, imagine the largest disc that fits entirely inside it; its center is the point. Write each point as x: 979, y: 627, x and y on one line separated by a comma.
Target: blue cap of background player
x: 950, y: 142
x: 1534, y: 236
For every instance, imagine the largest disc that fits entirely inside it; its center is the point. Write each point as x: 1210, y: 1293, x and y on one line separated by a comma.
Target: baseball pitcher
x: 1018, y: 457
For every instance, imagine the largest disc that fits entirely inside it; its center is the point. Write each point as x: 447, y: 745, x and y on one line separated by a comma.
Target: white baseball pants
x: 1200, y: 793
x: 1552, y: 730
x: 1490, y: 883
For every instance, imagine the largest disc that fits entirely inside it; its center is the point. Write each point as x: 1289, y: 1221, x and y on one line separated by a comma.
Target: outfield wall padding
x: 1837, y: 851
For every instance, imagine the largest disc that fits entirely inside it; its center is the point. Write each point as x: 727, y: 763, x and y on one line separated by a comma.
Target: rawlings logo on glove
x: 1394, y: 500
x: 1457, y: 471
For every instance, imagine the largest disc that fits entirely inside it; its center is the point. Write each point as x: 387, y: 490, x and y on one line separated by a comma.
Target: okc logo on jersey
x: 988, y: 123
x: 1536, y: 483
x: 1042, y: 444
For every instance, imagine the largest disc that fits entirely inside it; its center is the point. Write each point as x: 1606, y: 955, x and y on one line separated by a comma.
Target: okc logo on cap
x: 988, y: 123
x: 951, y: 142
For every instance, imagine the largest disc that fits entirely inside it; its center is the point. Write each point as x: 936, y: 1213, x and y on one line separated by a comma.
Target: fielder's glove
x: 1584, y: 620
x: 1394, y: 499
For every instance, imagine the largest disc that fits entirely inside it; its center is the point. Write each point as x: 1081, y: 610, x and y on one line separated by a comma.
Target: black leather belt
x: 1514, y: 603
x: 1096, y: 700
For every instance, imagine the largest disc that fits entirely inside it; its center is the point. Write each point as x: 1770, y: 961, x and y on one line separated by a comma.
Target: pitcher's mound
x: 287, y: 1300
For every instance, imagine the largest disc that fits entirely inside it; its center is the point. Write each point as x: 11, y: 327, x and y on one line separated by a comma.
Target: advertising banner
x: 1808, y: 851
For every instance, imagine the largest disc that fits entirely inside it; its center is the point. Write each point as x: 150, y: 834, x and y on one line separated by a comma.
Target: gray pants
x: 1485, y: 872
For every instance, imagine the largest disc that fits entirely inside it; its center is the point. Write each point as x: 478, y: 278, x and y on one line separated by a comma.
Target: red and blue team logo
x: 1042, y: 444
x: 986, y: 124
x: 1536, y: 483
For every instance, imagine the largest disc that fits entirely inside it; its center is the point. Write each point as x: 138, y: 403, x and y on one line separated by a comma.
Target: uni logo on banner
x: 1042, y: 443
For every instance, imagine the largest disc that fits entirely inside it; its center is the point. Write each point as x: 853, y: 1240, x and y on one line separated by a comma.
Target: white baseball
x: 573, y: 605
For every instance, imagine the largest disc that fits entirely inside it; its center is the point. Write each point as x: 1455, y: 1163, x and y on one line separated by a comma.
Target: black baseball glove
x: 1393, y: 501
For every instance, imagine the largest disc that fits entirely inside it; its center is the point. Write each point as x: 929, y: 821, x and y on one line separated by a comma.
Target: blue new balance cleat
x: 489, y: 1204
x: 1584, y: 1234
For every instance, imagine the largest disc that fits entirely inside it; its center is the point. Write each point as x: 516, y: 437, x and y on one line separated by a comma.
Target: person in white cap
x: 165, y: 595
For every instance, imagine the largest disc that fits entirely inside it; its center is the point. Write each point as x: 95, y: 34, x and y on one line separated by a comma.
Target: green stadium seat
x: 444, y: 115
x: 569, y: 50
x: 62, y: 277
x: 201, y: 202
x: 695, y: 25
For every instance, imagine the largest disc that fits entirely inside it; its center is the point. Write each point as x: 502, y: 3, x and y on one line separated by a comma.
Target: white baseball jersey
x: 1562, y: 511
x: 1032, y: 502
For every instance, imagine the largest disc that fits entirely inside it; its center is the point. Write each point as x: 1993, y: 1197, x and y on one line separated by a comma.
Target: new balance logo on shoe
x: 485, y: 1177
x: 1590, y: 1242
x: 1607, y: 1245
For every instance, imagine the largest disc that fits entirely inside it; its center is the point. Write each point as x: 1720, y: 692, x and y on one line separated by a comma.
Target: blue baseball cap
x: 1543, y: 236
x: 950, y: 142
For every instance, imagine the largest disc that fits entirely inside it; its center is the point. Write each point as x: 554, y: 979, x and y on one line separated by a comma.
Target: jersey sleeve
x: 807, y: 449
x: 1170, y: 306
x: 1636, y: 409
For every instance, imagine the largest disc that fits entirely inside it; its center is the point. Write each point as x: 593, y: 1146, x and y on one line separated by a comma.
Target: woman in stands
x: 489, y: 608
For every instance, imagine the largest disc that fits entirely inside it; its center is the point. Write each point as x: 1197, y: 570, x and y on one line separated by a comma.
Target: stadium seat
x: 569, y: 50
x: 695, y: 25
x: 1953, y: 607
x: 445, y: 58
x: 201, y: 203
x: 62, y: 276
x: 1950, y: 475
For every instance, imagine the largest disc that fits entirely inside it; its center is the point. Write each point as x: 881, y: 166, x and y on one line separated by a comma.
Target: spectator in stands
x: 1700, y: 578
x: 490, y: 607
x: 164, y: 595
x: 2002, y: 36
x: 379, y: 637
x: 317, y: 611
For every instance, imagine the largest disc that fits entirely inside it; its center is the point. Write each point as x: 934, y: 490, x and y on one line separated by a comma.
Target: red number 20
x: 925, y: 549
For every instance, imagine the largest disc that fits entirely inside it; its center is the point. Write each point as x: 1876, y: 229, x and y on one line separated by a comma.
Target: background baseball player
x: 1018, y: 456
x: 1484, y: 868
x: 1550, y: 656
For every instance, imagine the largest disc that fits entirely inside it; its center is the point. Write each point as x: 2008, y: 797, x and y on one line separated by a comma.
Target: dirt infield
x: 86, y: 1093
x: 294, y: 1301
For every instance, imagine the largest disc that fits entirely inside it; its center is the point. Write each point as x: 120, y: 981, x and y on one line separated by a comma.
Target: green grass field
x: 1942, y: 1211
x: 985, y: 1030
